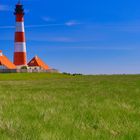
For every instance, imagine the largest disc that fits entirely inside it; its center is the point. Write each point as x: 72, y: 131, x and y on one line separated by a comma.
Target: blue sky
x: 78, y: 36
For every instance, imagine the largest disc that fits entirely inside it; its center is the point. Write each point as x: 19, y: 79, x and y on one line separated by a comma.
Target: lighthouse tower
x: 20, y: 43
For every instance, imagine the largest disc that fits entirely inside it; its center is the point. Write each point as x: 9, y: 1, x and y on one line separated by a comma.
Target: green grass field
x: 61, y: 107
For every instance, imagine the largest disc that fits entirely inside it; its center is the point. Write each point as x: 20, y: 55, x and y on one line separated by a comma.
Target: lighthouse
x: 36, y: 64
x: 20, y: 57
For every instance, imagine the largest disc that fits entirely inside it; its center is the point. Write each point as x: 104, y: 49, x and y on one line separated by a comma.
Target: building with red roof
x: 36, y: 62
x: 5, y: 63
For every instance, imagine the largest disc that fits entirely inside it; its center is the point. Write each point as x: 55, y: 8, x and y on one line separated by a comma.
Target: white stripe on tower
x: 0, y: 53
x: 20, y: 47
x: 20, y: 27
x: 20, y: 43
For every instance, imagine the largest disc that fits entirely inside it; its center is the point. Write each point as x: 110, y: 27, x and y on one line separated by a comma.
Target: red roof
x: 6, y: 62
x: 36, y: 61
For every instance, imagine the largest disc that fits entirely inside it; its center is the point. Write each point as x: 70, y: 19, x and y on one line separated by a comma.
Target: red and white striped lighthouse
x: 20, y: 43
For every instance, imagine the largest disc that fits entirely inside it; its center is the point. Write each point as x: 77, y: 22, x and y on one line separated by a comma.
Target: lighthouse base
x: 22, y: 66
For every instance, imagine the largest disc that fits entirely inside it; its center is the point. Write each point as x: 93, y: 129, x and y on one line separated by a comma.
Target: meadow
x: 41, y: 106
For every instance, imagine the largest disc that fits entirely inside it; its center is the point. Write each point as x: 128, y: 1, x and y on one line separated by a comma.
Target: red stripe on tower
x: 20, y: 43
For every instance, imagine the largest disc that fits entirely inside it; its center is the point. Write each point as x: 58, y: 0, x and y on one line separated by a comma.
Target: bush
x: 65, y: 73
x: 75, y: 74
x: 24, y: 68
